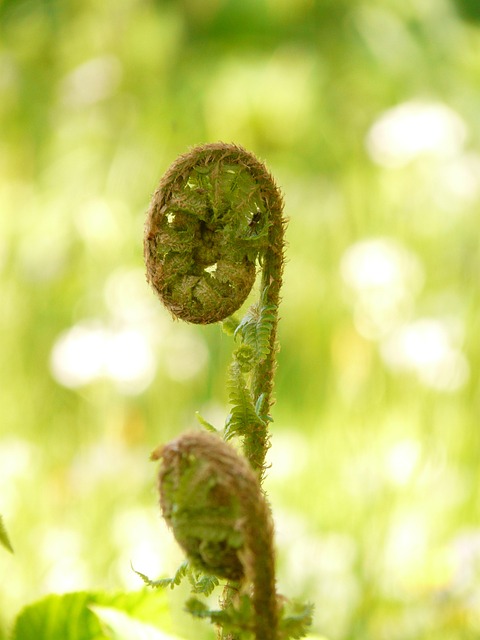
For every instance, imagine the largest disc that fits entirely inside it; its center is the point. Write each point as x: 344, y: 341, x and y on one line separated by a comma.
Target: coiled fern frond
x: 208, y: 223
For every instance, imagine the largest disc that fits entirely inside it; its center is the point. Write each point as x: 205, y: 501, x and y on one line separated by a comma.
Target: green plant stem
x: 259, y: 544
x: 256, y: 440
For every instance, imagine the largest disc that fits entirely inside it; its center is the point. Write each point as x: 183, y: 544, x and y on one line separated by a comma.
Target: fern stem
x: 256, y: 442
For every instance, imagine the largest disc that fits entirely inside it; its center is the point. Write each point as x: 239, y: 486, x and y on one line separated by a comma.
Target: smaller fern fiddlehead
x: 213, y: 502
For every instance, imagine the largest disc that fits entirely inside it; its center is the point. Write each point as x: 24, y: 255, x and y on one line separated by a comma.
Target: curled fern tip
x: 207, y: 226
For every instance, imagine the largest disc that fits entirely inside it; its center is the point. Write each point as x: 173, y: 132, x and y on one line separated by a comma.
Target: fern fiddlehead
x: 212, y: 500
x: 215, y: 217
x: 217, y: 213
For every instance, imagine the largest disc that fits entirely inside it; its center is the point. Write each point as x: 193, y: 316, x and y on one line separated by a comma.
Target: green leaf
x: 121, y: 626
x: 181, y: 572
x: 243, y: 416
x: 205, y: 424
x: 4, y: 539
x: 295, y: 621
x: 256, y: 326
x: 237, y: 620
x: 197, y: 608
x: 65, y: 617
x: 244, y: 357
x: 71, y: 616
x: 229, y: 325
x: 145, y: 605
x: 202, y: 582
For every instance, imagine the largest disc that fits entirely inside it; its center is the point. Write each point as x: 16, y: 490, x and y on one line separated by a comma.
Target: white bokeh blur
x: 383, y: 279
x: 90, y: 351
x: 413, y: 129
x: 401, y: 461
x: 92, y: 81
x: 129, y: 346
x: 428, y: 348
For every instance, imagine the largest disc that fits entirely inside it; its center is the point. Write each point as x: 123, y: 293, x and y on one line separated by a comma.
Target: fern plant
x: 216, y: 217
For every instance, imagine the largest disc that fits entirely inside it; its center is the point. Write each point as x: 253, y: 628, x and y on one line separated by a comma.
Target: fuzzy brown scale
x: 207, y: 227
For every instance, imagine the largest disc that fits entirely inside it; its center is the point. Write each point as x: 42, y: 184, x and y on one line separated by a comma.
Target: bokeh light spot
x: 413, y: 128
x: 402, y: 460
x: 384, y: 278
x: 92, y: 81
x: 427, y: 348
x: 90, y: 351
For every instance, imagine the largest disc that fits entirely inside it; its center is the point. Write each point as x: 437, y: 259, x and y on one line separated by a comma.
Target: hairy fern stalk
x: 214, y: 221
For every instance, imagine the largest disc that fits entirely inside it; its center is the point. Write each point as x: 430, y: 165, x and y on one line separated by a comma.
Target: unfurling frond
x: 181, y: 572
x: 243, y: 416
x: 203, y: 583
x: 237, y: 620
x: 205, y: 424
x: 256, y: 326
x: 295, y: 620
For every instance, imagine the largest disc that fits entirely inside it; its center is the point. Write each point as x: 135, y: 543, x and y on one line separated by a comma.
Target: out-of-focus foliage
x: 4, y: 539
x: 366, y: 111
x: 84, y: 616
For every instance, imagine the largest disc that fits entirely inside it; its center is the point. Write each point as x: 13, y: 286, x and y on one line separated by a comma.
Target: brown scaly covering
x: 208, y: 223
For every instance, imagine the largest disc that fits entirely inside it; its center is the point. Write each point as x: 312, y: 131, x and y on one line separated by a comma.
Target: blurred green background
x: 367, y: 112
